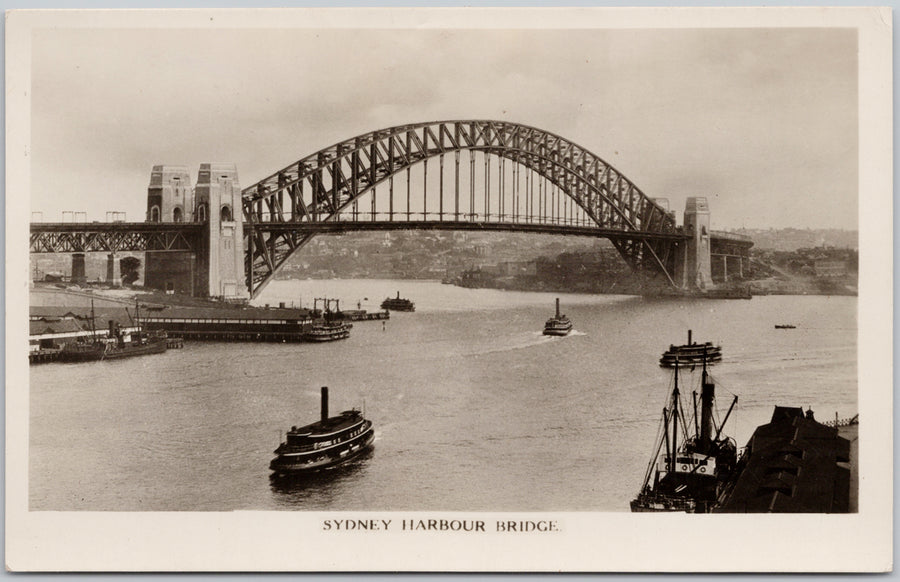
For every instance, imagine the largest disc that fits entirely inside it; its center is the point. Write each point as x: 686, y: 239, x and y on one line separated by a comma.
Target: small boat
x: 785, y: 326
x: 691, y: 353
x: 695, y: 465
x: 558, y: 324
x: 398, y: 304
x: 328, y: 442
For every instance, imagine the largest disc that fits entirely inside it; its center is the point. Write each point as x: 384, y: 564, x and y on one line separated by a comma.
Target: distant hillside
x: 791, y: 239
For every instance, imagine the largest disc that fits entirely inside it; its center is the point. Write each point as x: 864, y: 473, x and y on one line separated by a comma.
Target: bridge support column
x: 694, y: 260
x: 172, y: 272
x: 216, y: 269
x: 111, y: 277
x: 170, y: 199
x: 222, y: 269
x: 79, y: 275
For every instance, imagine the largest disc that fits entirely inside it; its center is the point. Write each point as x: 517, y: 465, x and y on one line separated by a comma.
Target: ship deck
x: 330, y: 425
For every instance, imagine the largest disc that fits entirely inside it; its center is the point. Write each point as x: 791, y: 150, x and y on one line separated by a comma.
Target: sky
x: 761, y: 121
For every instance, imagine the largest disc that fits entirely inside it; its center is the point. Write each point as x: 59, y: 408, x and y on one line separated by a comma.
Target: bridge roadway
x: 68, y: 237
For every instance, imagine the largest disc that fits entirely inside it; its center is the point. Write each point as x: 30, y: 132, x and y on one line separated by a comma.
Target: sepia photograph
x: 463, y: 289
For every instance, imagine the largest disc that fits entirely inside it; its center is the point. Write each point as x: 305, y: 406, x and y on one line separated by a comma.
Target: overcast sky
x: 763, y: 122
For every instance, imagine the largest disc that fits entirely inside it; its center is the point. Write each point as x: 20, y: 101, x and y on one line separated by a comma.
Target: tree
x: 130, y: 267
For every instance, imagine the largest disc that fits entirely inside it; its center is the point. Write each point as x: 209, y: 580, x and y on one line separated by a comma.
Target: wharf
x: 214, y: 324
x: 363, y: 315
x: 180, y: 317
x: 44, y: 355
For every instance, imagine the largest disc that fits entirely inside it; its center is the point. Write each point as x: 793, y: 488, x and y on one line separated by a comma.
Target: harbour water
x: 474, y: 408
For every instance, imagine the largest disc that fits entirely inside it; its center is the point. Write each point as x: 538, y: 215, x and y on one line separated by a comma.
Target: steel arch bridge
x: 515, y: 178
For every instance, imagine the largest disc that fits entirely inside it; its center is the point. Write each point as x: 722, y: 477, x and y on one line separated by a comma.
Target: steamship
x: 118, y: 344
x: 691, y: 353
x: 398, y: 304
x: 693, y: 461
x: 323, y: 444
x: 328, y: 331
x: 558, y: 324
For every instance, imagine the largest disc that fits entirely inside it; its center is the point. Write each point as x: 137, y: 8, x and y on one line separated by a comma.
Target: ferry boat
x: 398, y: 304
x: 785, y: 326
x: 691, y: 353
x: 690, y: 467
x: 558, y: 324
x: 327, y: 331
x: 332, y: 327
x: 323, y: 444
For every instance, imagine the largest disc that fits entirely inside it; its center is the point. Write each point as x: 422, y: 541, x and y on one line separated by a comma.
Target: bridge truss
x: 68, y: 237
x: 514, y: 177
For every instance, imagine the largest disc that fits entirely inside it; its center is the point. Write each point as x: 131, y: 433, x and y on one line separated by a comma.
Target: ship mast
x: 93, y: 324
x: 674, y: 421
x: 707, y: 397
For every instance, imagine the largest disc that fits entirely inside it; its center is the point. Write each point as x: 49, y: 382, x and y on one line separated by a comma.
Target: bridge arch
x: 325, y: 190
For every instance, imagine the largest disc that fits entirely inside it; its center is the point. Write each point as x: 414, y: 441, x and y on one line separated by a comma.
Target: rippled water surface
x: 474, y: 408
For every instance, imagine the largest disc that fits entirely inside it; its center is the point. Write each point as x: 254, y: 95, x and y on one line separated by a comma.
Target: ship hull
x: 327, y: 333
x: 316, y: 461
x: 114, y: 353
x: 558, y: 332
x: 691, y: 354
x: 688, y: 360
x: 325, y: 337
x: 398, y: 307
x: 663, y: 506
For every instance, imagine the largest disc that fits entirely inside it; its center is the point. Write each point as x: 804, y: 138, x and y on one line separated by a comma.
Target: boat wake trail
x: 512, y: 343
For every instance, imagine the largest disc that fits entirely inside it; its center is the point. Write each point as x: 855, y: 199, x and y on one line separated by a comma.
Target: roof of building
x: 102, y: 315
x: 125, y: 316
x: 792, y: 467
x: 215, y: 313
x: 44, y: 327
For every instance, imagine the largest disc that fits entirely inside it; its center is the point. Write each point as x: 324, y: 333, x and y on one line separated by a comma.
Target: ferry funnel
x: 324, y: 403
x: 557, y: 308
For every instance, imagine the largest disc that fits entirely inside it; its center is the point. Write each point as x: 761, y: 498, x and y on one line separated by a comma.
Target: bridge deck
x: 400, y: 224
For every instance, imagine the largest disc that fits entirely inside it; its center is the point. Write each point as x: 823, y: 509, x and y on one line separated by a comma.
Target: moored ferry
x: 328, y: 442
x: 327, y: 332
x: 691, y: 353
x: 558, y: 324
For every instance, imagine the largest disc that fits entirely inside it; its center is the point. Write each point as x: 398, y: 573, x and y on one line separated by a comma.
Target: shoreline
x: 128, y: 296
